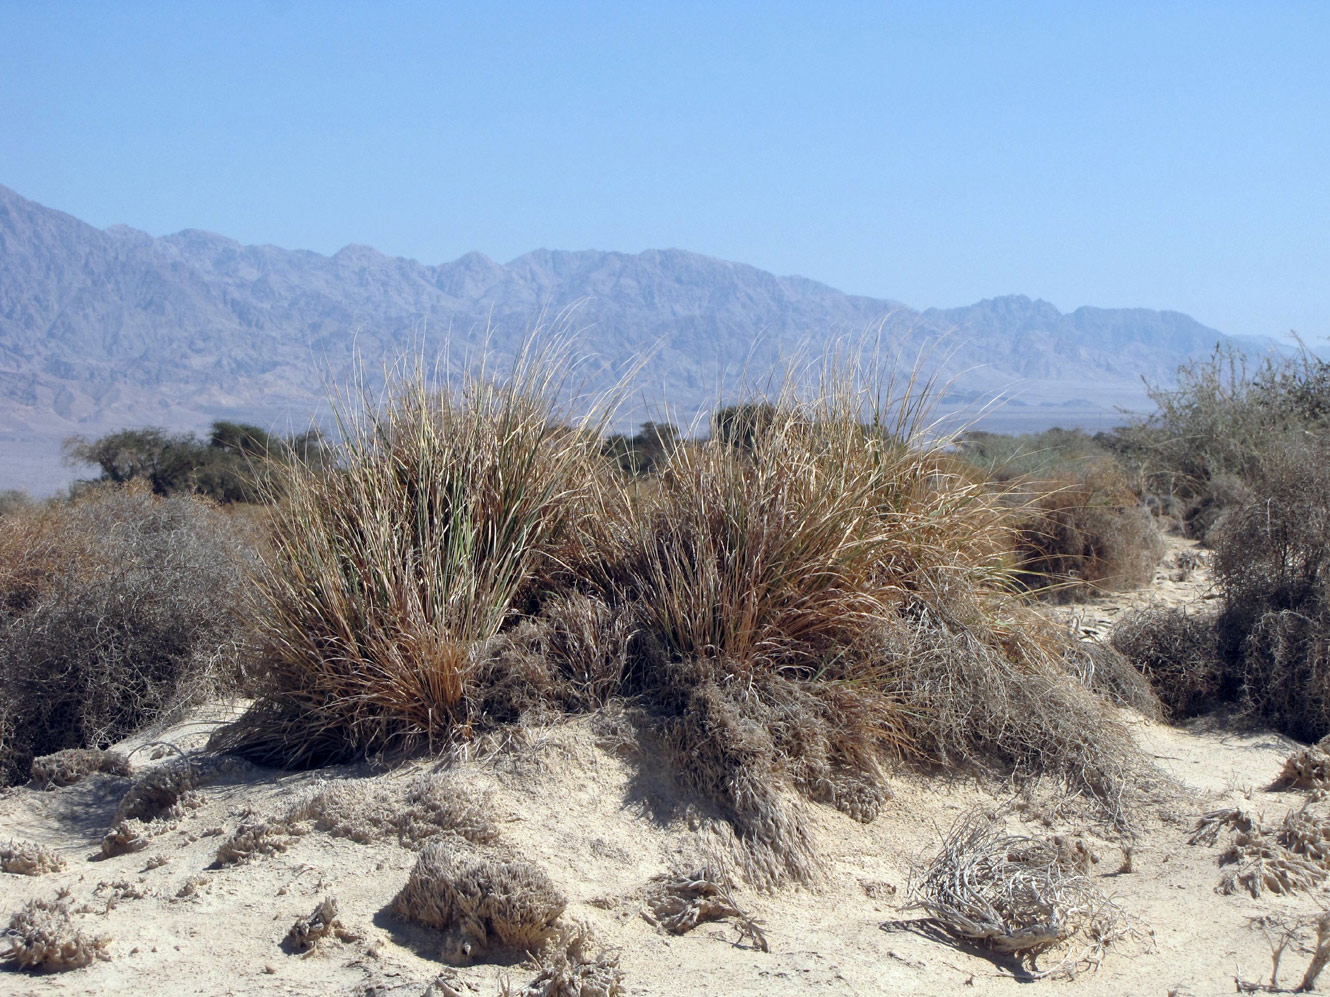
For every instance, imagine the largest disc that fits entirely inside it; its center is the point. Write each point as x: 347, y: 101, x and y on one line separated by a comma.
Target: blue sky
x: 1165, y: 155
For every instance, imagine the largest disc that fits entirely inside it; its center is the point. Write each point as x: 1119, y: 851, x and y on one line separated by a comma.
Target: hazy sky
x: 1167, y: 155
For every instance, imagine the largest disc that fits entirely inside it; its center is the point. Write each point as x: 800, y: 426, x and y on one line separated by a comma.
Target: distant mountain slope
x: 100, y: 329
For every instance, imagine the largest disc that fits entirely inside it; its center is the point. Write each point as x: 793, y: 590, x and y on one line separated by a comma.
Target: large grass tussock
x: 787, y: 610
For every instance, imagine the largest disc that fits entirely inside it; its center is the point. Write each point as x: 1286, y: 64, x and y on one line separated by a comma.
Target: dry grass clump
x: 27, y: 858
x: 1179, y: 652
x: 479, y: 903
x: 1086, y: 534
x: 1108, y: 673
x: 1291, y: 857
x: 785, y: 612
x: 388, y: 574
x: 1007, y: 702
x: 113, y: 609
x: 306, y: 933
x: 574, y: 965
x: 1019, y: 895
x: 71, y: 765
x: 42, y: 936
x: 679, y: 902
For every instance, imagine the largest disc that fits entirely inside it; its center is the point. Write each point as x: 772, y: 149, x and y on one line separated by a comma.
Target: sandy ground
x: 602, y: 824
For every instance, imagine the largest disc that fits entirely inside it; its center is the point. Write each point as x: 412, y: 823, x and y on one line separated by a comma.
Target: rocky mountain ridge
x: 106, y: 328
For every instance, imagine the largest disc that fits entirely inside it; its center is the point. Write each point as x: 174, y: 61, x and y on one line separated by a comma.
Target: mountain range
x: 105, y: 328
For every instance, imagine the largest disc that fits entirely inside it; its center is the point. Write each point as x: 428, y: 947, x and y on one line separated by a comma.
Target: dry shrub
x: 479, y: 903
x: 71, y: 765
x: 1272, y: 561
x: 788, y: 599
x: 1086, y: 534
x: 1020, y: 896
x: 1291, y: 857
x: 978, y: 704
x: 42, y: 936
x: 447, y: 508
x: 679, y: 902
x: 364, y: 812
x: 27, y: 858
x: 1306, y: 768
x: 113, y: 609
x: 128, y: 835
x: 1107, y: 672
x: 574, y: 965
x: 1179, y: 652
x: 1283, y: 932
x: 266, y: 836
x: 161, y: 792
x: 306, y: 933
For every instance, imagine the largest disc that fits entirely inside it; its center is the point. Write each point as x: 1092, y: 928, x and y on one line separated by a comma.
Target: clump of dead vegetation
x: 161, y: 795
x: 1306, y: 768
x: 72, y: 765
x: 1179, y: 652
x: 27, y: 858
x: 679, y: 902
x: 114, y: 608
x: 427, y: 806
x: 1085, y: 533
x: 42, y: 936
x: 1291, y: 857
x: 479, y: 903
x: 787, y: 609
x: 1284, y: 932
x: 306, y: 933
x: 1021, y: 896
x: 573, y: 964
x: 1108, y: 673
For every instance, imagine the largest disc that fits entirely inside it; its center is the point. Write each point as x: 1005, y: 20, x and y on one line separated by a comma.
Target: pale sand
x: 602, y: 825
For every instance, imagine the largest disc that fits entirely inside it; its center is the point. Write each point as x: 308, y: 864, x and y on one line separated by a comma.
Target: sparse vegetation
x: 1268, y: 647
x: 1208, y: 440
x: 113, y: 608
x: 790, y: 607
x: 42, y: 936
x: 1020, y: 896
x: 479, y: 903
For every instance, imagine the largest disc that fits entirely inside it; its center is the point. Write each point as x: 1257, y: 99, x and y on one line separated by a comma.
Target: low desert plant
x: 1179, y: 652
x: 573, y: 964
x: 679, y: 902
x: 27, y: 858
x: 446, y: 508
x: 113, y: 609
x: 42, y: 936
x: 71, y: 765
x: 1019, y: 895
x: 364, y: 812
x: 1291, y: 857
x: 479, y: 903
x: 1082, y: 535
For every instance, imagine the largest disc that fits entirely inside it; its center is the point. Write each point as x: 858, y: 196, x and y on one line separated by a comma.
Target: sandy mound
x: 650, y: 892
